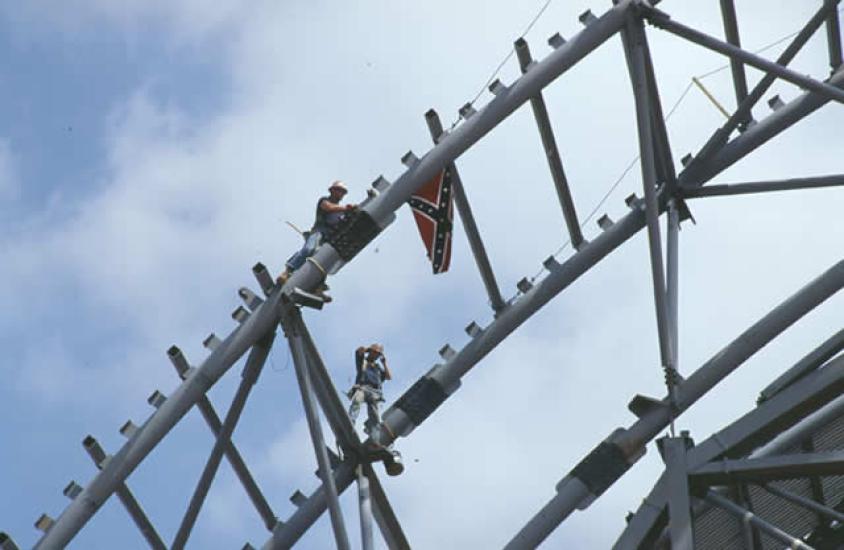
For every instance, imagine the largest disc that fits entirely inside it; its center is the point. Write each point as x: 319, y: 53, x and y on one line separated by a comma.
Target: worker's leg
x: 354, y: 408
x: 373, y: 415
x: 307, y: 250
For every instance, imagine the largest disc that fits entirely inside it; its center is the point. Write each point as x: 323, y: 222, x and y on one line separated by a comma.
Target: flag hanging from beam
x: 433, y: 209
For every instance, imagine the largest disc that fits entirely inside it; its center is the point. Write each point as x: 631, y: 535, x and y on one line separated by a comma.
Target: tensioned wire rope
x: 635, y: 159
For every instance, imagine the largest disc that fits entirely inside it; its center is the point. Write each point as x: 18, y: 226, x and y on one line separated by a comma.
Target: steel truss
x: 691, y: 471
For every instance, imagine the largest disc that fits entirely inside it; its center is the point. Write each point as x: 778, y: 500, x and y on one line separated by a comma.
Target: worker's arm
x: 387, y: 374
x: 359, y: 357
x: 330, y: 207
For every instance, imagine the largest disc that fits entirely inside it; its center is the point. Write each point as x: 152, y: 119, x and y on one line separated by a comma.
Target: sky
x: 150, y: 153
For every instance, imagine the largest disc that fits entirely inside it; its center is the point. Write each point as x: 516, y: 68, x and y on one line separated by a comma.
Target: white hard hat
x: 338, y: 185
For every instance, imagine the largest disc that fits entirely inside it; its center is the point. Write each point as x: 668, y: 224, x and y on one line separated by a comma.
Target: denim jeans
x: 298, y: 259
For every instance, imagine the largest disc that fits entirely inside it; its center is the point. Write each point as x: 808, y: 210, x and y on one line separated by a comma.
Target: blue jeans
x: 298, y: 259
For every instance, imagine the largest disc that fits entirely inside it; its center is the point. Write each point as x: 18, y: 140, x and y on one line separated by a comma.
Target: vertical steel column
x: 251, y: 371
x: 673, y: 279
x: 365, y: 510
x: 833, y: 39
x: 748, y: 516
x: 679, y: 507
x: 728, y: 14
x: 300, y: 363
x: 468, y: 220
x: 631, y: 36
x: 552, y: 154
x: 338, y: 419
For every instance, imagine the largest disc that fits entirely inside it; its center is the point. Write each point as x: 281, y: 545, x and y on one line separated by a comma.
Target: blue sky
x: 150, y: 153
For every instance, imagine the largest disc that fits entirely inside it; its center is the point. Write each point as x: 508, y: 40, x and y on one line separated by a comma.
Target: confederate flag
x: 433, y: 209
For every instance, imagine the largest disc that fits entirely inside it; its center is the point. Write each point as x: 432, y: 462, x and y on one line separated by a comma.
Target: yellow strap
x: 316, y: 264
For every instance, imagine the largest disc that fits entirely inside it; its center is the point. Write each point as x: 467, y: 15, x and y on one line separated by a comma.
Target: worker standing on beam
x: 372, y: 370
x: 329, y: 214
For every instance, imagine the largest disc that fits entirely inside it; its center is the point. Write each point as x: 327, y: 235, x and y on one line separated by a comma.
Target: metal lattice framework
x: 722, y: 475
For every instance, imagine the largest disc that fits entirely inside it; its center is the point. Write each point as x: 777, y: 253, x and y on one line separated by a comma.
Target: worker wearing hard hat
x: 329, y: 214
x: 372, y: 370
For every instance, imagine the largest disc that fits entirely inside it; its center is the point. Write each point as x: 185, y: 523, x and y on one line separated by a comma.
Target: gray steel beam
x: 286, y: 534
x: 191, y: 391
x: 468, y: 219
x: 771, y: 468
x: 139, y: 517
x: 365, y: 510
x: 552, y: 154
x: 342, y: 427
x: 300, y: 364
x: 662, y: 21
x: 6, y: 542
x: 386, y: 518
x: 807, y: 364
x: 748, y: 516
x: 833, y: 39
x: 672, y: 268
x: 764, y: 186
x: 613, y: 457
x: 632, y: 38
x: 251, y: 371
x: 761, y: 132
x: 728, y: 15
x: 662, y: 148
x: 381, y: 210
x: 238, y: 465
x: 674, y: 451
x: 807, y: 503
x: 743, y: 112
x: 819, y: 391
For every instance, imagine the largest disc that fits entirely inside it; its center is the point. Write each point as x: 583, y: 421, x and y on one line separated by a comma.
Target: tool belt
x: 368, y: 392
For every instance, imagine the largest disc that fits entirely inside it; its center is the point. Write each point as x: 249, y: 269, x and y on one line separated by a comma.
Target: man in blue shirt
x: 329, y: 214
x: 372, y: 370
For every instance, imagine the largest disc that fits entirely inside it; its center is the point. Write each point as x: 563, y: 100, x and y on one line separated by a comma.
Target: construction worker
x: 329, y: 214
x: 372, y: 370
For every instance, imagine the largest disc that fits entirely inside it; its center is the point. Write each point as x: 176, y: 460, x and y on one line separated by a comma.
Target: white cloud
x: 188, y: 205
x: 9, y: 180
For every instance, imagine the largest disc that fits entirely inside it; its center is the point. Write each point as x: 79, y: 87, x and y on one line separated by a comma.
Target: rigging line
x: 617, y: 181
x: 760, y: 50
x: 505, y: 60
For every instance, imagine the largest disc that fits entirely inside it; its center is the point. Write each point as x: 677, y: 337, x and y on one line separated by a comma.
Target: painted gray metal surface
x: 467, y: 218
x: 770, y: 468
x: 300, y: 364
x: 743, y: 112
x: 807, y: 503
x: 254, y: 364
x: 572, y: 492
x: 104, y: 484
x: 814, y: 359
x: 365, y: 511
x: 552, y: 154
x: 752, y: 518
x: 731, y: 33
x: 674, y: 451
x: 819, y: 391
x: 792, y: 184
x: 632, y: 38
x: 663, y: 22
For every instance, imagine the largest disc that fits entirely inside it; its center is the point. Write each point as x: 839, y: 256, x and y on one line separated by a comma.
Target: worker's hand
x: 350, y: 207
